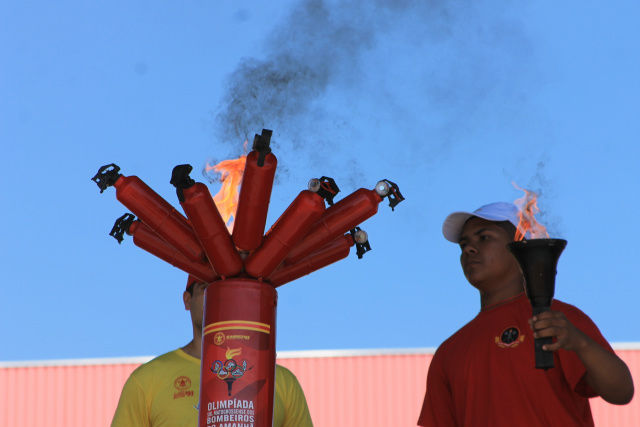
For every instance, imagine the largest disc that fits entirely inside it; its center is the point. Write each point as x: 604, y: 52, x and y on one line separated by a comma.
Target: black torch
x: 538, y: 259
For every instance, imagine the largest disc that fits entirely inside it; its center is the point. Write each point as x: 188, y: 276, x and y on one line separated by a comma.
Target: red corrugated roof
x: 344, y: 389
x: 368, y: 390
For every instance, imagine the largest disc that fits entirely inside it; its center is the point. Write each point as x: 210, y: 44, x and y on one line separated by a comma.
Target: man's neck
x: 501, y: 302
x: 194, y: 348
x: 489, y: 299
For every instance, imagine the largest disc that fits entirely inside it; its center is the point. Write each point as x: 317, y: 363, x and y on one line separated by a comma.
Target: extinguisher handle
x: 121, y: 226
x: 180, y: 179
x: 394, y: 194
x: 324, y: 187
x: 361, y: 240
x: 106, y: 176
x: 261, y: 145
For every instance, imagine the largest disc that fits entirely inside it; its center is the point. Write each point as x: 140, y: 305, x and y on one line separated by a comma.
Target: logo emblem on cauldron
x: 230, y: 370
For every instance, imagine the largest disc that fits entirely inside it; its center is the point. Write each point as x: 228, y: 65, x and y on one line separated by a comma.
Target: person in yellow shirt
x: 164, y: 392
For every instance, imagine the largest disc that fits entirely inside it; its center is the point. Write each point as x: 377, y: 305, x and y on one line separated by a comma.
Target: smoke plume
x: 338, y: 70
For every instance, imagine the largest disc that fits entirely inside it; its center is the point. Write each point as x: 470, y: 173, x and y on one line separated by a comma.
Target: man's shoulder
x: 452, y: 343
x: 579, y: 319
x: 167, y: 357
x: 467, y: 333
x: 462, y: 332
x: 286, y: 381
x: 172, y: 358
x: 284, y: 373
x: 556, y: 303
x: 568, y: 309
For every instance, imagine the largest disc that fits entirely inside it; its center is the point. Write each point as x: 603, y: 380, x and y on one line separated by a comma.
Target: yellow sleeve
x: 295, y: 404
x: 132, y: 410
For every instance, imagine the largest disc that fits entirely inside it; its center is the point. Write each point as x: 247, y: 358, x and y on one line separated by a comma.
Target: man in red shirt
x: 484, y: 375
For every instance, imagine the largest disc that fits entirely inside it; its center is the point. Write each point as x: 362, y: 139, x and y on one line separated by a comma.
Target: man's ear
x: 186, y: 298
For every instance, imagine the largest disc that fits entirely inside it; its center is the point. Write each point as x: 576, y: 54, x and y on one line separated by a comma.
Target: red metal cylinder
x: 253, y: 204
x: 346, y: 214
x: 237, y: 378
x: 159, y: 215
x: 145, y: 238
x: 288, y: 230
x: 211, y: 230
x: 335, y: 251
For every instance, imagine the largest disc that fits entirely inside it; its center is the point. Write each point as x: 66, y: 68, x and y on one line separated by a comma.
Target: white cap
x: 499, y: 211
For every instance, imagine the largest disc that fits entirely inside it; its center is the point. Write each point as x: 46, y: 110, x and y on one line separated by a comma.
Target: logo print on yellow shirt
x: 182, y: 383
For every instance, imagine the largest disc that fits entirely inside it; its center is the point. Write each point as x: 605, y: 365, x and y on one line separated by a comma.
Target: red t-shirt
x: 484, y: 375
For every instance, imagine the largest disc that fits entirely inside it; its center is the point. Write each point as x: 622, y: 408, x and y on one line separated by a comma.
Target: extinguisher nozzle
x: 261, y: 145
x: 121, y: 226
x: 325, y: 187
x: 106, y: 176
x: 361, y: 240
x: 180, y: 176
x: 180, y: 179
x: 386, y: 188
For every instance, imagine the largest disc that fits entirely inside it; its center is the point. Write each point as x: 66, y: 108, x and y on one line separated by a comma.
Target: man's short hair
x: 190, y: 288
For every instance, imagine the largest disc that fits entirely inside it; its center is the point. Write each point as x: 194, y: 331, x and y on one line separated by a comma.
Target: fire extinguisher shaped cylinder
x: 151, y: 208
x: 335, y: 251
x: 198, y: 204
x: 241, y: 370
x: 288, y: 230
x: 255, y: 194
x: 145, y: 238
x: 349, y: 212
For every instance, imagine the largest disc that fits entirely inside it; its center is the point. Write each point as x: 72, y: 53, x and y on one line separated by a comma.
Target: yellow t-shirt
x: 164, y: 392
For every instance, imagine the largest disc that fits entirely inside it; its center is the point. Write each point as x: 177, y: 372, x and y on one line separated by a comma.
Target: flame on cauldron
x: 226, y: 199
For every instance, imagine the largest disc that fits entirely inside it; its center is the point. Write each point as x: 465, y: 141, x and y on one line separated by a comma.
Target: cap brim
x: 453, y: 224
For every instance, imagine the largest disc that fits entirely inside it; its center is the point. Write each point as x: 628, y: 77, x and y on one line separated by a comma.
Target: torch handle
x: 544, y: 359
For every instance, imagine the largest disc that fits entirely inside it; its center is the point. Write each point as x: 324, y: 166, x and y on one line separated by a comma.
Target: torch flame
x: 226, y: 199
x: 528, y: 207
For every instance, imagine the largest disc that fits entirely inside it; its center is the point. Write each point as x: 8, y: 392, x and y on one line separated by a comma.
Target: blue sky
x: 452, y: 101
